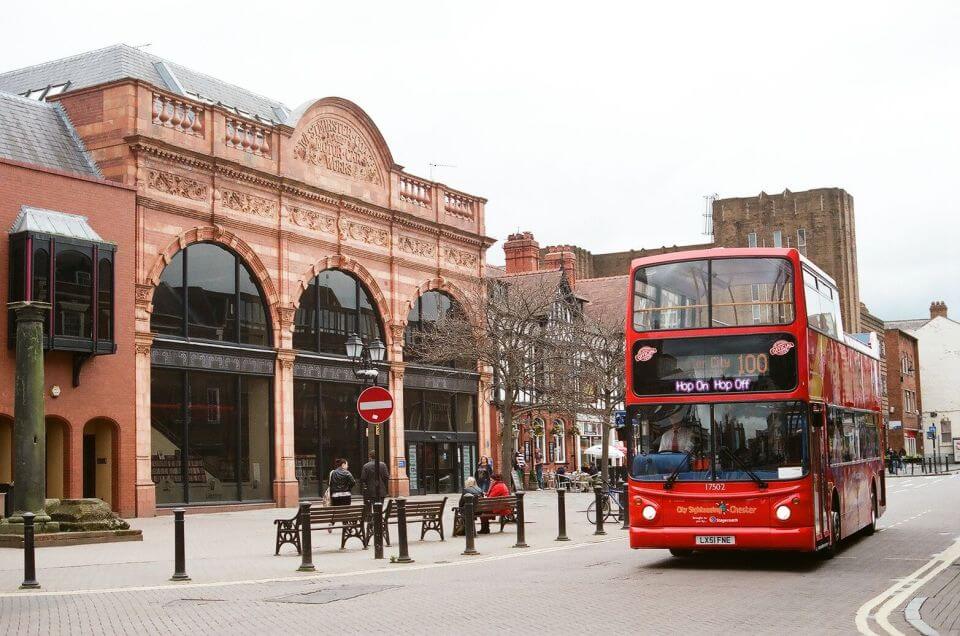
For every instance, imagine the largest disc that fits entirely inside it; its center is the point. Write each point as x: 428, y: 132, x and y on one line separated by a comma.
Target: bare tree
x: 601, y: 347
x: 521, y: 332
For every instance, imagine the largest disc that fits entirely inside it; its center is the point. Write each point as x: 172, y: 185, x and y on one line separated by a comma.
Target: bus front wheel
x: 831, y: 550
x: 679, y: 552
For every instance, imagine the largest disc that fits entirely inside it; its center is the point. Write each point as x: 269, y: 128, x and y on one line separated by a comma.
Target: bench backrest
x: 427, y: 508
x: 336, y: 514
x: 495, y: 503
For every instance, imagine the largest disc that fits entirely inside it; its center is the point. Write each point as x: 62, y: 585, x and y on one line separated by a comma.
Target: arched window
x: 428, y: 309
x: 207, y: 292
x: 334, y: 305
x: 558, y: 445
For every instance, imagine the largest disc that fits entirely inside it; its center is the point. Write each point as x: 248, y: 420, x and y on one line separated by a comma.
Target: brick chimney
x: 522, y: 252
x: 938, y: 308
x: 562, y: 257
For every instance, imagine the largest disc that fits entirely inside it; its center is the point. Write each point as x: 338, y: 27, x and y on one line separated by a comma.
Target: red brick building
x: 263, y: 237
x: 46, y: 174
x: 904, y: 430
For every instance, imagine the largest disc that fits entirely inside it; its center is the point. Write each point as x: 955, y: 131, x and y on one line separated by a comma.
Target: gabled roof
x: 126, y: 62
x: 41, y: 134
x: 906, y: 325
x: 56, y: 223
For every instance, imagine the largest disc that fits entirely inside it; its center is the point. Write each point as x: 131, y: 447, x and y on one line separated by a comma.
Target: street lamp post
x: 365, y: 359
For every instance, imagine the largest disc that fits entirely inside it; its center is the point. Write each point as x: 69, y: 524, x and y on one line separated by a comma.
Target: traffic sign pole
x: 375, y: 406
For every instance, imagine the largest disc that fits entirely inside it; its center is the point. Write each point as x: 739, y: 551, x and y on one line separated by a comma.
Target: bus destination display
x: 722, y: 364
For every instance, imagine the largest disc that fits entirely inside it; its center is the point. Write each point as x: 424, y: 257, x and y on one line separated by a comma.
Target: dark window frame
x: 318, y: 307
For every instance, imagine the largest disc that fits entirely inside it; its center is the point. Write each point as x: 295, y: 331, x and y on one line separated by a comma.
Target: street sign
x: 619, y: 419
x: 375, y: 405
x: 932, y: 432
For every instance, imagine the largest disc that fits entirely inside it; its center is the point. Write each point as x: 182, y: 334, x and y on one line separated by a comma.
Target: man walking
x: 519, y: 464
x: 373, y: 489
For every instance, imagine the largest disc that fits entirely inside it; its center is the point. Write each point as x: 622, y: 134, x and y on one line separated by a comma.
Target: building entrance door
x: 433, y: 467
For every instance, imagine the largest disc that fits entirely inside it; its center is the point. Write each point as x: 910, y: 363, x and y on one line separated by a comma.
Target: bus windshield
x: 720, y: 292
x: 721, y: 442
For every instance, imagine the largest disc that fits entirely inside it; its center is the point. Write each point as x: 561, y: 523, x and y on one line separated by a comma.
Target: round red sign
x: 375, y: 405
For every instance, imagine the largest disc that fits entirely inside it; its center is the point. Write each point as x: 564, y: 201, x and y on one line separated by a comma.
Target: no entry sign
x: 375, y: 405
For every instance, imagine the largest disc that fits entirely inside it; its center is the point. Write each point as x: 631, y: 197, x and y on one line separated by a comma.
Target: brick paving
x: 576, y: 587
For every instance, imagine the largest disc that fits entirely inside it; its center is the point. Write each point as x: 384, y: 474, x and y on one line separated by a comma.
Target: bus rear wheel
x: 872, y: 526
x: 681, y: 552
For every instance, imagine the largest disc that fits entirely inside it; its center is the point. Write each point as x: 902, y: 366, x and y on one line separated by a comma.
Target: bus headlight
x: 649, y: 512
x: 783, y: 513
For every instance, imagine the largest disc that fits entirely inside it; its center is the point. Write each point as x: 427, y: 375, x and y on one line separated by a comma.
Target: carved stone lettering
x: 248, y: 204
x: 337, y: 146
x: 363, y: 233
x: 415, y: 246
x: 176, y: 185
x: 312, y: 219
x: 459, y: 258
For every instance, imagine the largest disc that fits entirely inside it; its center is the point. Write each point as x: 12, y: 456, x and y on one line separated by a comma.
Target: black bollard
x: 469, y: 529
x: 404, y: 556
x: 598, y: 494
x: 913, y: 466
x: 562, y: 515
x: 306, y: 540
x: 521, y: 530
x: 625, y: 508
x: 378, y: 529
x: 29, y: 559
x: 179, y: 552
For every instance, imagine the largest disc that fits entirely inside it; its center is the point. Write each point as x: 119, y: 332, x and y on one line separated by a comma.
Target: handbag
x: 326, y: 493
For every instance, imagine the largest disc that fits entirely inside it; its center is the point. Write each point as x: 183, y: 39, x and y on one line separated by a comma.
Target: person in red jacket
x: 497, y: 489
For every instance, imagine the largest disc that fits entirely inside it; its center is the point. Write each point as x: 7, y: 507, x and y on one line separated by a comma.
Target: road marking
x: 891, y: 598
x: 314, y: 577
x: 902, y: 521
x: 912, y: 614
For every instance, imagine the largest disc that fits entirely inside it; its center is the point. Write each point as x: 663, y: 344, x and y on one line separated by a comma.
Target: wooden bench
x: 489, y: 507
x: 428, y: 513
x: 350, y: 520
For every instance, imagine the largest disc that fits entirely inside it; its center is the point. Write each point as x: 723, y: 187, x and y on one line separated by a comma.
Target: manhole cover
x: 331, y: 594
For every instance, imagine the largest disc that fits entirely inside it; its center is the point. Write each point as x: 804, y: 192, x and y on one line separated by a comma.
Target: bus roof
x: 730, y: 252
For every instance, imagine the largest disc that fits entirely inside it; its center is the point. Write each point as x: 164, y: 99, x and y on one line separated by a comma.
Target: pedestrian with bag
x: 373, y: 488
x: 341, y: 483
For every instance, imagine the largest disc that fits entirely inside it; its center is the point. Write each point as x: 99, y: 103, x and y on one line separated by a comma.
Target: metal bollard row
x: 598, y: 494
x: 179, y: 551
x: 404, y: 556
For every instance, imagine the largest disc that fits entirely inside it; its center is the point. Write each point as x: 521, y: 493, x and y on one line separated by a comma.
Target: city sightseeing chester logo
x: 781, y: 348
x: 645, y: 353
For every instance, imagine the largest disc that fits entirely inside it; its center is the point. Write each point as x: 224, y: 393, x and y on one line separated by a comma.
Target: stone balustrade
x: 416, y: 191
x: 179, y: 115
x: 248, y: 137
x: 460, y: 205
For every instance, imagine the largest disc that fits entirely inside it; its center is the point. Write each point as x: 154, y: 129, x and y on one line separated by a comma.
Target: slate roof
x: 58, y: 223
x: 906, y: 325
x: 40, y: 133
x: 121, y: 62
x: 606, y: 297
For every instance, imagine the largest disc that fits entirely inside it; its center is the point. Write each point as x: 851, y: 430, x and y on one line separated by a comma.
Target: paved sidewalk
x: 238, y: 546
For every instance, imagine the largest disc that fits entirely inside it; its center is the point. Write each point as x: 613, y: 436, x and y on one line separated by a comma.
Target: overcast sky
x: 604, y: 125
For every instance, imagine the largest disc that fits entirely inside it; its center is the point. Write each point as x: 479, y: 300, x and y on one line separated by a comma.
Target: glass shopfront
x: 326, y: 427
x: 211, y: 381
x: 211, y: 438
x: 334, y: 305
x: 441, y: 438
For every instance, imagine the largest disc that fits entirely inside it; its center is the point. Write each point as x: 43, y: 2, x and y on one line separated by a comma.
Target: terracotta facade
x: 291, y: 200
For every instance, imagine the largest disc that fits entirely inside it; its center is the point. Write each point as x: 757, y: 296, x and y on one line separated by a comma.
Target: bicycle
x: 611, y: 506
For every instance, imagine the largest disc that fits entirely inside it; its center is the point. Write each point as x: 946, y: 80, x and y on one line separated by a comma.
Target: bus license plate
x: 716, y: 540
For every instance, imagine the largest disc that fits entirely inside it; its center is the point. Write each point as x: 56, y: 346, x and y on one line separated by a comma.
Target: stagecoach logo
x: 781, y: 348
x: 645, y: 353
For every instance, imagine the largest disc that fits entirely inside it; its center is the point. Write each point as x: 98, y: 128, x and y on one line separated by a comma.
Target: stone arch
x: 106, y: 434
x: 347, y: 264
x: 220, y: 236
x: 444, y: 285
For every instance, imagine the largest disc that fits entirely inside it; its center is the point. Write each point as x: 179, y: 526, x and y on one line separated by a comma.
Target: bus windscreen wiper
x: 740, y: 462
x: 687, y: 456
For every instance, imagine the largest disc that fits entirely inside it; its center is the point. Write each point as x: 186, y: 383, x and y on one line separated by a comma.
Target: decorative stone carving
x: 311, y: 219
x: 287, y: 315
x: 143, y: 294
x: 335, y: 145
x: 248, y: 204
x: 415, y: 246
x: 143, y: 349
x: 363, y: 233
x: 460, y: 258
x: 176, y: 185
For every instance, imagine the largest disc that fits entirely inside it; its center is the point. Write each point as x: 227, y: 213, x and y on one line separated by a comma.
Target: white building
x: 939, y: 345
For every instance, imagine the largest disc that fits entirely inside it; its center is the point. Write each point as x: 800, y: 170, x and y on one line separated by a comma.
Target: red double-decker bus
x: 756, y: 418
